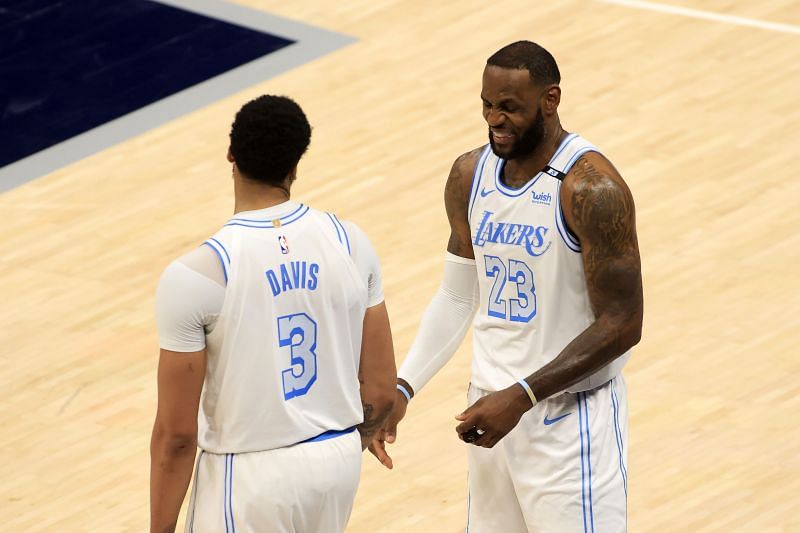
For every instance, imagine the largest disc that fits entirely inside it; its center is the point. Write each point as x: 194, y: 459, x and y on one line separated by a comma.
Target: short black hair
x: 268, y: 137
x: 529, y: 56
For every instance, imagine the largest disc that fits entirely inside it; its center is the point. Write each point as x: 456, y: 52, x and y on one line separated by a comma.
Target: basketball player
x: 268, y: 329
x: 543, y: 246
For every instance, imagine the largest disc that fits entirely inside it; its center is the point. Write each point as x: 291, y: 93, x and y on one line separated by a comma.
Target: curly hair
x: 528, y: 55
x: 269, y: 135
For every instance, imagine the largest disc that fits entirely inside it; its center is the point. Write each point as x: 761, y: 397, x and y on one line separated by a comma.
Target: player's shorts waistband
x: 330, y: 434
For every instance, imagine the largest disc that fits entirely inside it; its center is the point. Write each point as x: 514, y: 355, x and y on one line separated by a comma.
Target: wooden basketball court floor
x: 698, y: 110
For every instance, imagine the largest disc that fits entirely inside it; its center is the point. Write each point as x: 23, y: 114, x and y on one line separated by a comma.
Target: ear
x: 292, y: 175
x: 550, y: 99
x: 230, y: 156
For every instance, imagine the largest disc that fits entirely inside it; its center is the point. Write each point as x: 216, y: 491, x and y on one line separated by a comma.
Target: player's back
x: 284, y: 353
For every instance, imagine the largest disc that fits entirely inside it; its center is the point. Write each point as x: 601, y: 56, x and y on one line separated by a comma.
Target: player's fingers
x: 379, y: 451
x: 470, y: 410
x: 466, y: 425
x: 490, y: 438
x: 486, y: 441
x: 391, y: 431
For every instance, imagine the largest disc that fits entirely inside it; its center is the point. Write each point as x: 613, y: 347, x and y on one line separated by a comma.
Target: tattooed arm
x: 598, y: 207
x: 376, y: 373
x: 456, y: 199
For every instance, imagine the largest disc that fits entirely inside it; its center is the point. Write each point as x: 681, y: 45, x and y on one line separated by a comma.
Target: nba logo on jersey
x: 284, y: 244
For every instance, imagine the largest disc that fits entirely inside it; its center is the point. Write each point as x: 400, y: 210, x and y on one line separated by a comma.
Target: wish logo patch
x: 541, y: 198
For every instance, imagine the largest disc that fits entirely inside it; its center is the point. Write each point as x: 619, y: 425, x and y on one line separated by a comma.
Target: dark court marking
x: 80, y: 77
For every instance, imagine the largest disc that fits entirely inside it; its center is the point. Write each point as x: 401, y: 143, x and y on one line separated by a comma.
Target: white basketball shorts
x: 563, y: 468
x: 303, y: 488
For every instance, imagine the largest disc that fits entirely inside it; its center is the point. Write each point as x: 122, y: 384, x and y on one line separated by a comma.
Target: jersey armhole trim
x: 576, y: 156
x: 217, y: 246
x: 341, y: 234
x: 569, y: 238
x: 344, y: 232
x: 477, y: 174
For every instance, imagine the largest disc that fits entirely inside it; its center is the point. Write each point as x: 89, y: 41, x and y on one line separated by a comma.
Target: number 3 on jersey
x: 299, y: 333
x: 521, y: 309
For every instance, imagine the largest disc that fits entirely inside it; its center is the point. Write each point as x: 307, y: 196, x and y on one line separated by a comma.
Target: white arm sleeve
x: 444, y: 323
x: 366, y: 260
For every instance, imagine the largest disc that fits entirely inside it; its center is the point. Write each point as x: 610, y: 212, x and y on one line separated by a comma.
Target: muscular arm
x: 598, y: 207
x: 377, y: 372
x: 174, y: 440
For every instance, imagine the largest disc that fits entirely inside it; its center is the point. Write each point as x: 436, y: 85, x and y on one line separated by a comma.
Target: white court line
x: 707, y: 15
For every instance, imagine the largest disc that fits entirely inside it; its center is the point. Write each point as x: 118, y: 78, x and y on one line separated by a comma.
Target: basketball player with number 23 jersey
x: 543, y: 254
x: 275, y: 333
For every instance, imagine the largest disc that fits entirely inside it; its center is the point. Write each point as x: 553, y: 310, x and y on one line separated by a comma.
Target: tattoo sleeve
x: 603, y: 215
x: 599, y: 208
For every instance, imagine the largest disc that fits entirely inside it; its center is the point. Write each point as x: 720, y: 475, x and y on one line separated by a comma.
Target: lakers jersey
x: 533, y: 295
x: 283, y: 357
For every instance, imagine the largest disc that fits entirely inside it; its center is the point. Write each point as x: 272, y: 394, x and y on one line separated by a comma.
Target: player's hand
x: 490, y: 419
x: 378, y: 448
x: 395, y: 416
x: 388, y: 433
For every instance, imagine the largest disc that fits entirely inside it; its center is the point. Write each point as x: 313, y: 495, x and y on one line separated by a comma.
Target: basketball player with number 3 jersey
x: 543, y: 254
x: 276, y: 353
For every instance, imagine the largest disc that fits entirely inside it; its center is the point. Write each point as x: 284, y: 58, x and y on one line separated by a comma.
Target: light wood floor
x: 700, y: 116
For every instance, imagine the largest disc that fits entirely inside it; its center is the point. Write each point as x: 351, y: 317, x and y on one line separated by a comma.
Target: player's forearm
x: 377, y: 401
x: 434, y: 345
x: 171, y: 465
x: 599, y: 344
x: 444, y: 323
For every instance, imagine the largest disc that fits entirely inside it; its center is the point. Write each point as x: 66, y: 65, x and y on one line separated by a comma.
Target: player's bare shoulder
x: 597, y: 203
x: 460, y: 179
x: 456, y: 198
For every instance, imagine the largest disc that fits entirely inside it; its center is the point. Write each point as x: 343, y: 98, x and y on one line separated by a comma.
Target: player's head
x: 520, y: 95
x: 268, y: 137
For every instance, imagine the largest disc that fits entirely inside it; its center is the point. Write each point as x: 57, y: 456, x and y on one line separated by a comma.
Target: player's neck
x: 251, y: 195
x: 531, y: 164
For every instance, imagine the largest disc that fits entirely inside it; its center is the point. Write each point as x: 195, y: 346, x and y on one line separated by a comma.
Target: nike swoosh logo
x: 549, y: 421
x: 485, y: 193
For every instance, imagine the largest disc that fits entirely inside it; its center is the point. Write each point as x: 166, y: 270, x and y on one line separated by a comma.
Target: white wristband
x: 405, y: 392
x: 524, y: 385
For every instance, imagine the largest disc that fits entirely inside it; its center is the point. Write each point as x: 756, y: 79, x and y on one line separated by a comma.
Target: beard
x: 529, y: 141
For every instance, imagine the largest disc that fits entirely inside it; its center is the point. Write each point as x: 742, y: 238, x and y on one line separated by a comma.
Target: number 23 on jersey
x: 522, y: 306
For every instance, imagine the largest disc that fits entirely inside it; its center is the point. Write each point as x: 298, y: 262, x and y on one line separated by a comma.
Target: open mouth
x: 502, y: 137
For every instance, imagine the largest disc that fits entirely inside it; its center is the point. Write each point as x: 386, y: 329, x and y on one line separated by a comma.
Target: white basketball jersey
x: 533, y: 295
x: 283, y: 357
